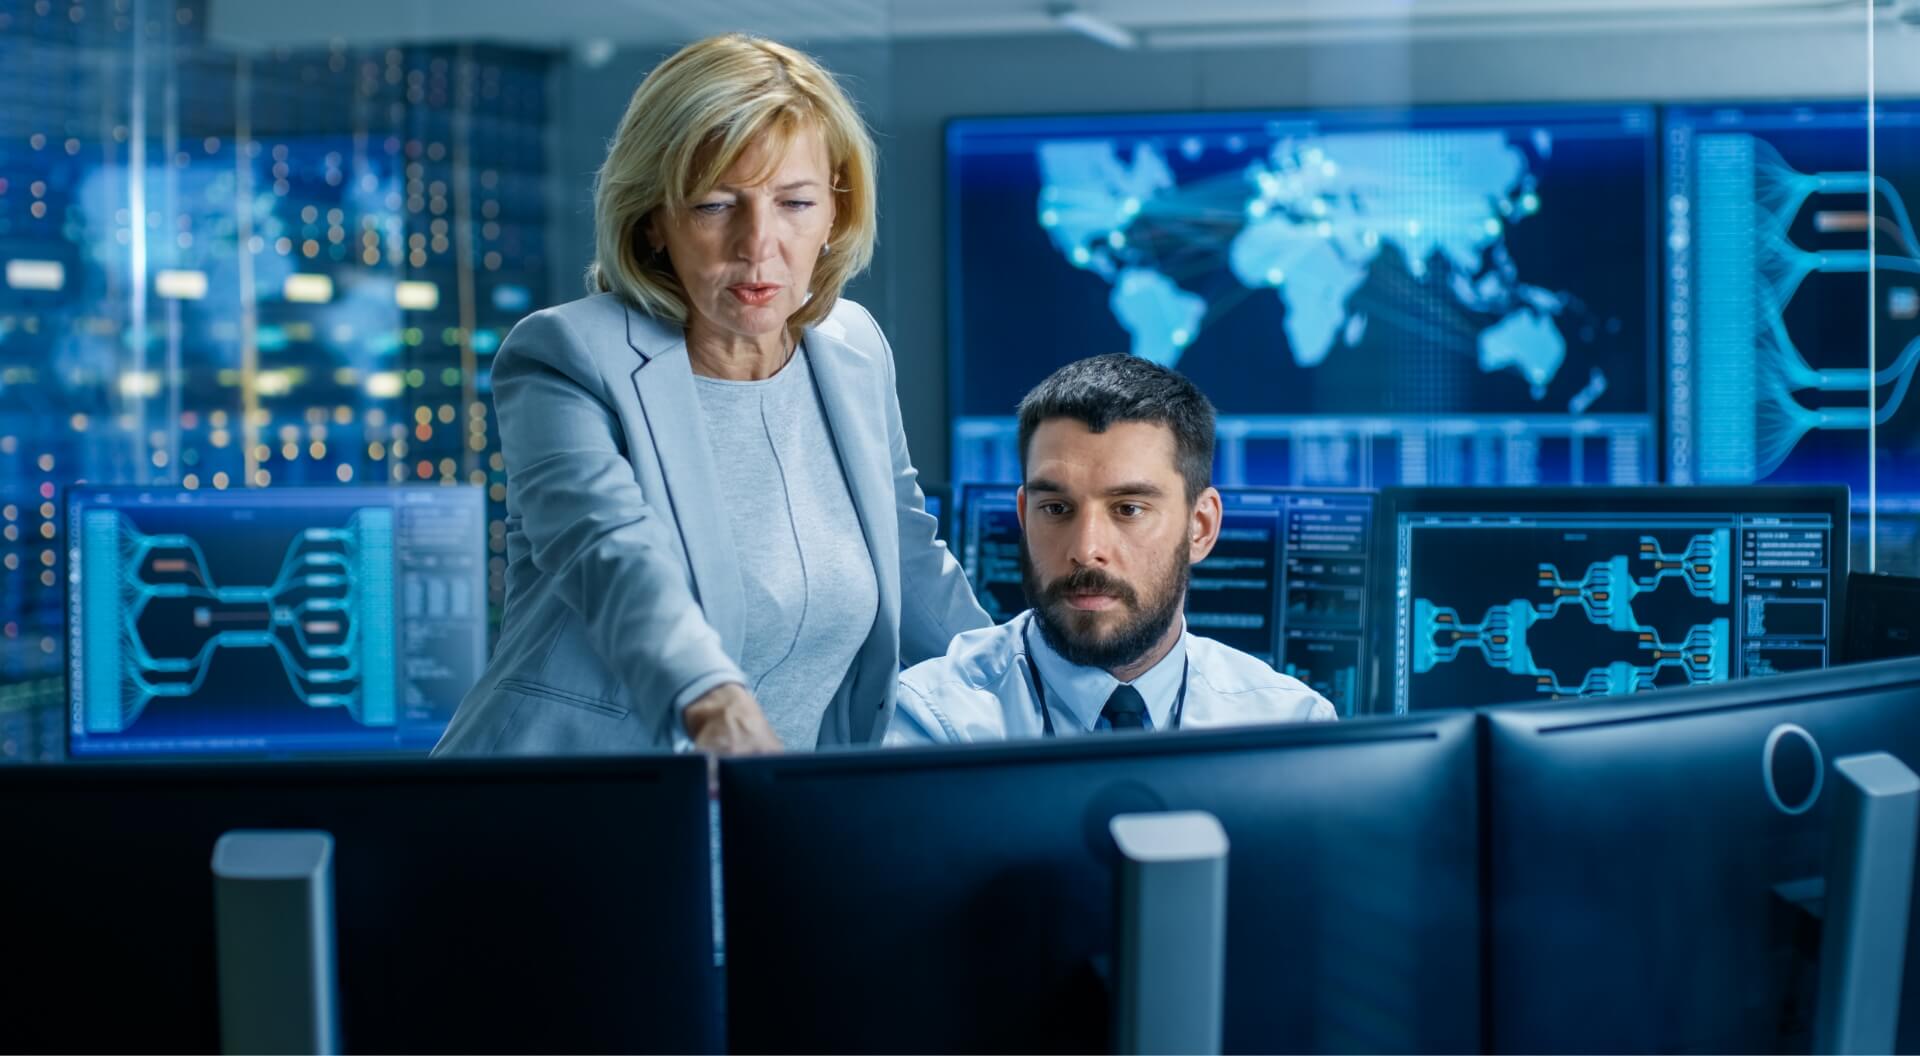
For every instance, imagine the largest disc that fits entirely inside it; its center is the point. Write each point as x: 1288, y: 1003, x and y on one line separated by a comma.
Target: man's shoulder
x: 1246, y: 680
x: 958, y: 697
x: 1228, y: 670
x: 979, y: 659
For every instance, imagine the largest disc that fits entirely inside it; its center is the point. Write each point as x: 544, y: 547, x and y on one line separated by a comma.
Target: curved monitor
x: 479, y: 905
x: 968, y: 891
x: 1648, y: 860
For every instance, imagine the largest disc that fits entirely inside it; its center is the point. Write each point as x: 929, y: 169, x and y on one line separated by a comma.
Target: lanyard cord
x: 1040, y: 686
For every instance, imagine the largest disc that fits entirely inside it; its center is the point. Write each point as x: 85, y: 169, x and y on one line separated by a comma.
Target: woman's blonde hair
x: 687, y: 124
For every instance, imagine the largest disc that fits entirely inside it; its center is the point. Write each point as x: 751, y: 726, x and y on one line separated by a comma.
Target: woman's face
x: 745, y: 251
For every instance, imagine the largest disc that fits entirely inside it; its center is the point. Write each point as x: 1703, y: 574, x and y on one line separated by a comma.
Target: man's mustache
x: 1088, y: 580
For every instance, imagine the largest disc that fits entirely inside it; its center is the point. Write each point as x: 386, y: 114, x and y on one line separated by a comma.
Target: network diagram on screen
x: 1769, y: 212
x: 333, y: 586
x: 1497, y: 607
x: 314, y: 621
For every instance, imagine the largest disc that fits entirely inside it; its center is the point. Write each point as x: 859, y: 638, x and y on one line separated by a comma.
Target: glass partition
x: 253, y: 245
x: 249, y: 246
x: 1891, y: 505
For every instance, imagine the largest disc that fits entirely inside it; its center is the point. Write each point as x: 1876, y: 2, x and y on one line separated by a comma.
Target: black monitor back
x: 1633, y: 851
x: 1883, y: 617
x: 480, y: 905
x: 961, y: 899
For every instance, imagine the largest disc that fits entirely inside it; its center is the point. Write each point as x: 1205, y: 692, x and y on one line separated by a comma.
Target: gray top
x: 810, y: 592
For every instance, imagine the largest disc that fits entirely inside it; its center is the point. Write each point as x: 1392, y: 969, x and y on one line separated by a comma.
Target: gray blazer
x: 623, y: 594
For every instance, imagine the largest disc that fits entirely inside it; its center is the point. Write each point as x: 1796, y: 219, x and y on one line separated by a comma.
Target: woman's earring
x: 825, y: 248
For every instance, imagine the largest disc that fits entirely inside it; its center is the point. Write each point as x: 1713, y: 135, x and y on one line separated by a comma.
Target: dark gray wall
x: 908, y: 91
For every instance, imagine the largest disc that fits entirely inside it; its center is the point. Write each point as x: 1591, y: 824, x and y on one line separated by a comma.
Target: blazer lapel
x: 860, y: 435
x: 664, y: 383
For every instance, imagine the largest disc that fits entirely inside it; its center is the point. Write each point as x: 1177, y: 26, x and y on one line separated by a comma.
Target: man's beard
x: 1072, y: 633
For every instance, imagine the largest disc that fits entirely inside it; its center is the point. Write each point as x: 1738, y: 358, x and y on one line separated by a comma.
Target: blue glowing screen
x: 1437, y: 296
x: 292, y: 621
x: 1500, y: 597
x: 1769, y: 210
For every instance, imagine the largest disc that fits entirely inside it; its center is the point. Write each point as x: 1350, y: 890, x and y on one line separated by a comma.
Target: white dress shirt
x: 983, y: 690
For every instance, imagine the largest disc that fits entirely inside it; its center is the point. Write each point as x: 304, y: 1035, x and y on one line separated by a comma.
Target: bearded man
x: 1116, y: 506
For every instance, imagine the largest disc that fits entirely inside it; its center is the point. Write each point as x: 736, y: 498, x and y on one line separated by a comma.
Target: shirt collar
x: 1082, y: 692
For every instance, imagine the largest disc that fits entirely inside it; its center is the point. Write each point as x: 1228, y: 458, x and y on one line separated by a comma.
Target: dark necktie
x: 1125, y: 710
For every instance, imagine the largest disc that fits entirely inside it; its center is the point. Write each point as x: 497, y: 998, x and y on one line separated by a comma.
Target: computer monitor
x: 1287, y: 581
x: 295, y: 621
x: 960, y: 899
x: 989, y: 519
x: 1883, y: 617
x: 1429, y: 295
x: 1634, y: 848
x: 480, y: 905
x: 1497, y: 595
x: 1785, y: 364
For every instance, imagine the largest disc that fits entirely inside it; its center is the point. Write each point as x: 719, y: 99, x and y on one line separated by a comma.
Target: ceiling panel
x: 1166, y: 23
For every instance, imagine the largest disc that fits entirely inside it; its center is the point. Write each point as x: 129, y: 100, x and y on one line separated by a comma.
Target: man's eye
x: 1053, y: 509
x: 1130, y: 509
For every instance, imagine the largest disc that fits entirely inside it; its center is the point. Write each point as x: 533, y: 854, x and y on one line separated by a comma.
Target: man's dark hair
x: 1103, y: 390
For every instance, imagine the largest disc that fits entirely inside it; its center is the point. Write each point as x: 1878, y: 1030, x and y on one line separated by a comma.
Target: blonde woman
x: 714, y: 534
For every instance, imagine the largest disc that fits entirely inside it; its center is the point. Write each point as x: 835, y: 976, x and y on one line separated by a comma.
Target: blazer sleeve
x: 610, y: 553
x: 936, y: 601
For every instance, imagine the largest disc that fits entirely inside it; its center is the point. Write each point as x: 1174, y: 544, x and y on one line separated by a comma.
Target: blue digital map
x: 1453, y: 296
x: 1316, y: 213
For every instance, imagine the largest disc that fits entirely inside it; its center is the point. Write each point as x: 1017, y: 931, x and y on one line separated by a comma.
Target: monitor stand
x: 1170, y: 940
x: 273, y: 928
x: 1873, y: 819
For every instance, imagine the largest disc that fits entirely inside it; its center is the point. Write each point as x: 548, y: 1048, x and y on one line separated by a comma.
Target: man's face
x: 1108, y: 538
